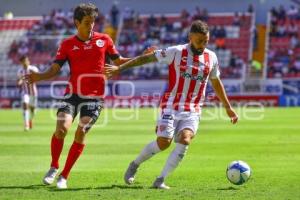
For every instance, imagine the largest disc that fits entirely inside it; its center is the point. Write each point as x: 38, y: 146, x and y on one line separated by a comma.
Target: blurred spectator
x: 250, y: 8
x: 283, y: 61
x: 236, y: 19
x: 8, y: 15
x: 292, y: 12
x: 114, y: 15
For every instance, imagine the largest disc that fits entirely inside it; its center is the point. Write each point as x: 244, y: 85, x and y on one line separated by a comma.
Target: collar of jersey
x: 86, y: 40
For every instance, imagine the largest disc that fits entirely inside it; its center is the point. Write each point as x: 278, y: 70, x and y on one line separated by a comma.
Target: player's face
x: 86, y: 26
x: 199, y: 40
x: 25, y: 62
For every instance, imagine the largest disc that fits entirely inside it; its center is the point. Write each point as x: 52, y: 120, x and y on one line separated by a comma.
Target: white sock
x: 26, y: 115
x: 174, y: 158
x: 150, y: 150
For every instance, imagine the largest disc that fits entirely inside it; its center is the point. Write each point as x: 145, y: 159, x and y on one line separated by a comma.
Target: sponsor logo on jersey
x: 87, y: 47
x: 75, y: 48
x: 192, y: 77
x: 170, y: 117
x: 100, y: 43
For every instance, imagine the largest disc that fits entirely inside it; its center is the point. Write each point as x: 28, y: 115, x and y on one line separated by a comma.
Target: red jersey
x: 86, y: 60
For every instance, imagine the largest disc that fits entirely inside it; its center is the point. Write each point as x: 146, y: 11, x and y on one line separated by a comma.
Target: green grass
x: 271, y: 146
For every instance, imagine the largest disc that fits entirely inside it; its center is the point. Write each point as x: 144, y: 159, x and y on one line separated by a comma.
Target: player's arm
x: 19, y: 81
x: 121, y: 60
x: 111, y: 70
x: 220, y: 92
x: 51, y: 72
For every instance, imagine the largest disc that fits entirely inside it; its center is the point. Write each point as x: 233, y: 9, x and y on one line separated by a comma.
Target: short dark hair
x: 199, y: 26
x: 85, y: 9
x: 22, y: 58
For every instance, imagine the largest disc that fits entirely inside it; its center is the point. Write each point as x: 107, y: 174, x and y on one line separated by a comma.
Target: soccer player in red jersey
x: 28, y: 92
x: 85, y: 53
x: 191, y: 65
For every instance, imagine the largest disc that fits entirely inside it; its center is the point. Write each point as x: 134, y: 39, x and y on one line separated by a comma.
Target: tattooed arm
x: 140, y: 60
x: 111, y: 70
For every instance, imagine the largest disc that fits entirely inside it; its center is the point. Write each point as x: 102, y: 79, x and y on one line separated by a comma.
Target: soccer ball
x: 238, y: 172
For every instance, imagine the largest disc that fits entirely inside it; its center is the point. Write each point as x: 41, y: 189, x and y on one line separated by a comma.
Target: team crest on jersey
x: 163, y: 53
x: 184, y: 59
x: 162, y: 128
x: 100, y: 43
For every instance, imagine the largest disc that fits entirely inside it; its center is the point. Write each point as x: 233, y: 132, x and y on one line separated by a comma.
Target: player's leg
x: 77, y: 146
x: 165, y: 132
x: 63, y: 123
x: 174, y: 158
x: 65, y: 115
x: 26, y: 112
x: 186, y: 131
x: 89, y: 114
x: 32, y: 106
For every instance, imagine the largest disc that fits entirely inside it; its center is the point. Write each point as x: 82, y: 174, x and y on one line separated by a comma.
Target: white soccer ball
x: 238, y: 172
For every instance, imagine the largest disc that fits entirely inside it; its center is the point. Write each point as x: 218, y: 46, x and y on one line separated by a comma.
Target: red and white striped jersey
x: 188, y: 77
x: 26, y: 88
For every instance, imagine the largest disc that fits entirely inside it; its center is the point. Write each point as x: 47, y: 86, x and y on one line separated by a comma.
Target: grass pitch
x: 268, y: 141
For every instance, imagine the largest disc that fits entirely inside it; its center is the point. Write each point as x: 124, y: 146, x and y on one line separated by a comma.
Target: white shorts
x: 29, y: 99
x: 172, y: 122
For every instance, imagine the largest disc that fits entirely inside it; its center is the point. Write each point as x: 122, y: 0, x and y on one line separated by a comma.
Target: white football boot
x: 61, y: 183
x: 130, y: 173
x: 159, y: 184
x: 50, y: 176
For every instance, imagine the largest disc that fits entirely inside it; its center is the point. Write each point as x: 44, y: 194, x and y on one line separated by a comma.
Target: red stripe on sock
x: 74, y: 153
x: 56, y: 148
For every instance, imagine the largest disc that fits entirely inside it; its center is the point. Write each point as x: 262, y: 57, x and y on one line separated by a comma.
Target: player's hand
x: 111, y: 70
x: 232, y: 115
x: 31, y: 78
x: 150, y: 50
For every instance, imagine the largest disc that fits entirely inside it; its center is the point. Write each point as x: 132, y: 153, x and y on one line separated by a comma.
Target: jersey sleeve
x: 165, y: 55
x: 215, y: 72
x: 61, y: 54
x: 112, y: 52
x: 19, y: 73
x: 35, y: 69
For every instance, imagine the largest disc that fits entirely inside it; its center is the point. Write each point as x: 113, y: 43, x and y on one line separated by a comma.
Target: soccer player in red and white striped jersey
x: 28, y: 92
x: 190, y: 67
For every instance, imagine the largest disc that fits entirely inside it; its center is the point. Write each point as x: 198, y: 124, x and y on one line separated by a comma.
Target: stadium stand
x: 11, y: 31
x: 38, y: 38
x: 283, y: 60
x: 230, y: 38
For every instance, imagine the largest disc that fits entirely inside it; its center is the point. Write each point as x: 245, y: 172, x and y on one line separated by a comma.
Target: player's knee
x: 61, y: 132
x: 25, y: 106
x: 186, y: 138
x: 84, y: 128
x: 163, y: 143
x: 79, y: 137
x: 185, y: 141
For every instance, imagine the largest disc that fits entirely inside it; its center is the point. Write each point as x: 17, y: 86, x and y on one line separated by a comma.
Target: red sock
x: 30, y: 124
x: 56, y: 148
x: 74, y: 153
